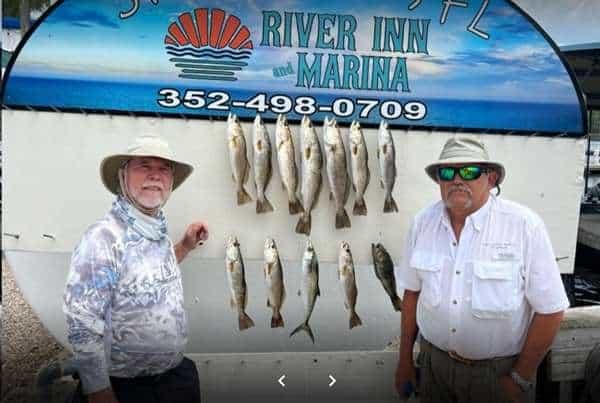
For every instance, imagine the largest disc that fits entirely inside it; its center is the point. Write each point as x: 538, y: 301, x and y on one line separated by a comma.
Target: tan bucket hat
x: 464, y: 150
x: 142, y: 146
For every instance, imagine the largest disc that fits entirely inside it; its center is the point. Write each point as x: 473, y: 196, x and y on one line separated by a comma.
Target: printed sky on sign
x: 85, y: 39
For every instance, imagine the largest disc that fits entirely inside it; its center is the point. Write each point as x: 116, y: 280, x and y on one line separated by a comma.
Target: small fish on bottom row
x: 310, y: 288
x: 237, y: 282
x: 347, y: 279
x: 274, y: 281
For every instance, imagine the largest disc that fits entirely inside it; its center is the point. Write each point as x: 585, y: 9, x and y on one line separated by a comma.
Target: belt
x: 463, y: 360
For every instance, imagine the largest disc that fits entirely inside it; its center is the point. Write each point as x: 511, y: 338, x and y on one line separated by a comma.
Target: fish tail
x: 397, y: 302
x: 295, y: 206
x: 304, y: 224
x: 341, y: 219
x: 306, y: 327
x: 360, y: 207
x: 277, y: 320
x: 354, y: 320
x: 390, y: 205
x: 244, y: 321
x: 243, y: 197
x: 263, y: 206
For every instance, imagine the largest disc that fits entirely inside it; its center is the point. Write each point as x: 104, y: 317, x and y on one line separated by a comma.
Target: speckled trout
x: 274, y: 282
x: 312, y: 164
x: 310, y: 287
x: 262, y: 164
x: 240, y: 167
x: 237, y: 282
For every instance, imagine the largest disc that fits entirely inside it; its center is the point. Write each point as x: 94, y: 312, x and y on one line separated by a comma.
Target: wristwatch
x: 524, y: 384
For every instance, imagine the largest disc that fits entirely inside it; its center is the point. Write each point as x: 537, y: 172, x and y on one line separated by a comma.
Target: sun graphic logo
x: 208, y: 45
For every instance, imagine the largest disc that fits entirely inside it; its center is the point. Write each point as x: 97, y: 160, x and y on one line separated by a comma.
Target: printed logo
x: 208, y: 45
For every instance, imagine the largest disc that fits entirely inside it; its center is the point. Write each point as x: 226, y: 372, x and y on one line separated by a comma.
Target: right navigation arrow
x: 333, y: 381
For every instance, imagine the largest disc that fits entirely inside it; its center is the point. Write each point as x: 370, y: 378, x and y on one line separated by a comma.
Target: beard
x: 459, y: 197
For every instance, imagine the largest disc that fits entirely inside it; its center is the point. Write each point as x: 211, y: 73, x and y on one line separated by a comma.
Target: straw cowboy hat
x: 143, y: 146
x: 464, y: 150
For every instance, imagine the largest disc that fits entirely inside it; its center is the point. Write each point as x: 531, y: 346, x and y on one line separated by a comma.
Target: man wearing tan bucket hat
x: 123, y: 299
x: 482, y: 287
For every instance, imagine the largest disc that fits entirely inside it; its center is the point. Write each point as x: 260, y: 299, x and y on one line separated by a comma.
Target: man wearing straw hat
x: 123, y: 299
x: 481, y: 286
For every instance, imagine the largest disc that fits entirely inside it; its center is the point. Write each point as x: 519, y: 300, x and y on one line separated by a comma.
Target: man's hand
x: 511, y: 390
x: 195, y: 234
x: 406, y: 375
x: 102, y: 396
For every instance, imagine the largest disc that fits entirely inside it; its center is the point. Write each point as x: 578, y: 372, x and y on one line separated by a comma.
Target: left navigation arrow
x: 280, y: 380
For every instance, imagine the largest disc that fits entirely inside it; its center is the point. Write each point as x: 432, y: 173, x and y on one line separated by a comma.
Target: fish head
x: 232, y: 248
x: 270, y: 243
x: 345, y: 253
x: 309, y: 252
x: 234, y: 129
x: 330, y: 131
x: 379, y: 253
x: 355, y: 133
x: 282, y: 128
x: 258, y: 124
x: 270, y: 250
x: 384, y: 135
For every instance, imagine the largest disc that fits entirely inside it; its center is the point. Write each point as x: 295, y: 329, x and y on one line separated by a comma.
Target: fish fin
x: 307, y: 152
x: 342, y: 220
x: 354, y: 149
x: 277, y: 320
x: 354, y: 320
x: 243, y: 197
x: 230, y: 267
x: 381, y: 183
x: 360, y: 207
x: 263, y: 206
x: 318, y: 294
x: 245, y: 299
x: 294, y: 206
x: 397, y: 302
x: 303, y: 226
x: 259, y: 145
x: 390, y: 205
x: 306, y: 327
x: 354, y: 187
x: 244, y: 321
x: 268, y: 268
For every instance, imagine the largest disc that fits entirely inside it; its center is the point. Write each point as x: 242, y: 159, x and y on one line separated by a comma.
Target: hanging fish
x: 384, y: 270
x: 386, y: 154
x: 287, y: 163
x: 240, y: 166
x: 262, y: 164
x: 359, y: 163
x: 237, y: 282
x: 337, y: 171
x: 274, y: 282
x: 312, y: 163
x: 347, y: 279
x: 310, y: 288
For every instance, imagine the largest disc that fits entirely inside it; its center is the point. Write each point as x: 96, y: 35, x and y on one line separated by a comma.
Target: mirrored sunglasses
x: 467, y: 172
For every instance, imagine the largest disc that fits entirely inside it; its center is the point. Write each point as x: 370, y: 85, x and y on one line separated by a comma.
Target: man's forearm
x: 408, y: 327
x: 180, y: 251
x: 540, y: 336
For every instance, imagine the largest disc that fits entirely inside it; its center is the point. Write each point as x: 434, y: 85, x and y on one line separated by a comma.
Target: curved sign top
x: 455, y: 64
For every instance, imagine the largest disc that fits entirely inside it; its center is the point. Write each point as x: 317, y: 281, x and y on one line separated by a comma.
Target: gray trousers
x: 444, y: 379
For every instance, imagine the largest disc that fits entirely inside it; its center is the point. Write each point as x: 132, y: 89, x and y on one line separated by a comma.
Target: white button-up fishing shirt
x: 477, y: 296
x: 123, y: 304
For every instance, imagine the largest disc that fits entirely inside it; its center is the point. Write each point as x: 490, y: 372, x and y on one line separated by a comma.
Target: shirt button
x: 457, y: 271
x: 455, y: 302
x: 453, y: 330
x: 453, y: 243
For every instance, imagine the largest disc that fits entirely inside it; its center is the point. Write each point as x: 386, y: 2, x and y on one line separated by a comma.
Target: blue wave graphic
x: 203, y: 51
x: 209, y: 55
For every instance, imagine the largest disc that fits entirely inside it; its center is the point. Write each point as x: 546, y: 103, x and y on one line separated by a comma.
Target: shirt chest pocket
x: 494, y: 289
x: 429, y: 270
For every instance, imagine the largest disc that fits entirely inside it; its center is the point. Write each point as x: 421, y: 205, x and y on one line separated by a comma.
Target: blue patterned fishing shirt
x: 123, y: 303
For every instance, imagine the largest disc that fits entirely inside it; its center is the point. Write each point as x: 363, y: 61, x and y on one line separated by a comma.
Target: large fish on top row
x: 337, y: 171
x: 312, y: 164
x: 240, y: 167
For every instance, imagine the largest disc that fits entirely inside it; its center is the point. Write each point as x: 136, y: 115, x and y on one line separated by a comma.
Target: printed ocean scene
x: 483, y: 66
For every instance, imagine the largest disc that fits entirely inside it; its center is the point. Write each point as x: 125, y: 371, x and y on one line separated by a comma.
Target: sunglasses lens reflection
x: 468, y: 172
